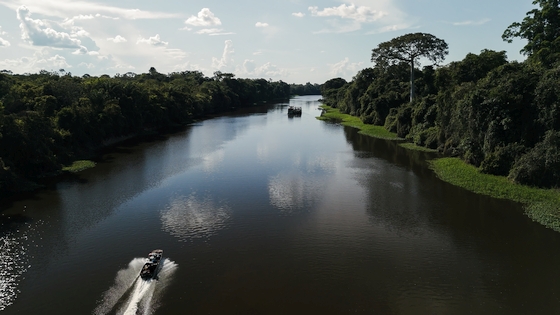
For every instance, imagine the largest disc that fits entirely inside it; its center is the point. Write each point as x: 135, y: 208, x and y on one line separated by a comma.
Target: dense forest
x: 49, y: 119
x: 500, y: 116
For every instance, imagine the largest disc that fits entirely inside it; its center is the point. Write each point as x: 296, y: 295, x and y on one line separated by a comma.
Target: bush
x: 541, y: 165
x: 427, y: 138
x: 500, y: 161
x: 404, y: 121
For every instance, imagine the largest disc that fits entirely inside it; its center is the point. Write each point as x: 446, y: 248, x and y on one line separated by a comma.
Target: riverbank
x: 541, y: 205
x: 333, y: 114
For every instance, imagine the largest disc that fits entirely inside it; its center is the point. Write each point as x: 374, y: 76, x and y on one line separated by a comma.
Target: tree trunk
x: 411, y: 80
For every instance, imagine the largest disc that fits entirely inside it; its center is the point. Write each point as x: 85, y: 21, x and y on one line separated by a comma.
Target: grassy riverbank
x: 78, y: 166
x: 541, y: 205
x: 333, y: 114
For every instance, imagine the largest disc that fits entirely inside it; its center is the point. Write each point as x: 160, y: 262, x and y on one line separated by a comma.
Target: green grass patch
x: 333, y: 114
x: 412, y: 146
x: 541, y: 205
x: 78, y: 166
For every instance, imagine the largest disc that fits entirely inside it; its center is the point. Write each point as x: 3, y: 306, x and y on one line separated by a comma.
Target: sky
x: 296, y: 41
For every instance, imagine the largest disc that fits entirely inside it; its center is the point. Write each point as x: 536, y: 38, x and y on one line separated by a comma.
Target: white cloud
x: 188, y: 66
x: 209, y: 31
x: 56, y: 61
x: 337, y: 27
x: 213, y: 32
x: 345, y: 68
x: 176, y: 53
x: 226, y: 59
x: 39, y: 61
x: 77, y: 18
x: 123, y: 66
x: 65, y: 8
x: 204, y: 18
x: 153, y: 41
x: 249, y: 66
x: 80, y: 51
x: 39, y: 33
x: 261, y: 24
x: 87, y: 65
x: 3, y: 42
x: 480, y: 22
x: 298, y: 14
x: 360, y: 13
x: 117, y: 39
x: 269, y: 70
x: 390, y: 28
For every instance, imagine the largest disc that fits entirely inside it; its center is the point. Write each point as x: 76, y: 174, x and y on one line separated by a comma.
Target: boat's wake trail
x: 132, y: 295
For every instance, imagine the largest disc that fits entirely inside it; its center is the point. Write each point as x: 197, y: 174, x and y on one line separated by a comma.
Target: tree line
x: 49, y: 119
x: 498, y: 115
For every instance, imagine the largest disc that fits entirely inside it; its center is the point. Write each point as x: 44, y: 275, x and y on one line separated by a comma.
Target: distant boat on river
x: 294, y: 111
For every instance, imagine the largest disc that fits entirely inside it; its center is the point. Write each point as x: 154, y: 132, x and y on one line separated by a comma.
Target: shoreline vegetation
x: 497, y: 119
x: 333, y: 114
x: 52, y: 123
x: 78, y: 166
x: 541, y: 205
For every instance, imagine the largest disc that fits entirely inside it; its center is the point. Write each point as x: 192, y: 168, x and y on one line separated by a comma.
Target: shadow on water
x: 513, y: 254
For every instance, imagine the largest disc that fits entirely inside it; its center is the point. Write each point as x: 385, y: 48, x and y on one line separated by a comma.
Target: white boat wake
x: 131, y: 295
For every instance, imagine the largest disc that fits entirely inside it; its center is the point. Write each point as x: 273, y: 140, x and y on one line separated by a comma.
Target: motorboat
x: 294, y: 111
x: 151, y: 267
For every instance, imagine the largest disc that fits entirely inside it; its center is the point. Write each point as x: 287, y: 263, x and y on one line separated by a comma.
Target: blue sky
x: 296, y: 41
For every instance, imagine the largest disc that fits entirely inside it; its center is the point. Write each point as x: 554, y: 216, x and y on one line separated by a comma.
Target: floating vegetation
x: 79, y: 166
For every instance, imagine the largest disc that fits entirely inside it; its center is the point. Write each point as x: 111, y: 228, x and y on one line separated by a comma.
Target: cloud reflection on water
x: 188, y: 217
x: 297, y: 190
x: 213, y: 160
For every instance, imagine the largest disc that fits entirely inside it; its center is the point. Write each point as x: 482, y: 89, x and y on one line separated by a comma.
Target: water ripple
x: 194, y: 217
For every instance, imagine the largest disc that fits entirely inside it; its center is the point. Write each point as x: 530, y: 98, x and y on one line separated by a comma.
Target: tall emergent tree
x: 409, y: 48
x: 541, y: 29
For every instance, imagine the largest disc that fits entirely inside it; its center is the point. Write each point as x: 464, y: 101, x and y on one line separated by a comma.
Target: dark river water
x: 260, y: 213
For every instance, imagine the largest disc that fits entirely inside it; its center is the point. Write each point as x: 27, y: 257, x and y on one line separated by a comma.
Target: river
x: 261, y: 213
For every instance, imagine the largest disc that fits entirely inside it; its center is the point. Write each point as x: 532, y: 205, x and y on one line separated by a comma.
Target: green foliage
x: 484, y: 109
x: 541, y: 165
x: 49, y: 119
x: 427, y: 138
x: 501, y: 159
x: 78, y: 166
x: 502, y: 118
x: 333, y: 114
x: 541, y: 29
x: 414, y: 147
x: 547, y: 100
x: 306, y: 89
x: 408, y: 49
x: 475, y: 67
